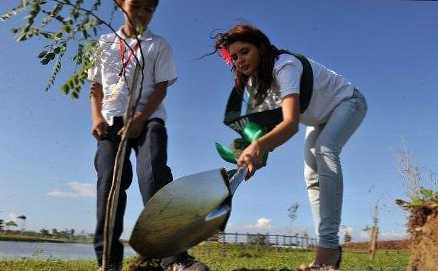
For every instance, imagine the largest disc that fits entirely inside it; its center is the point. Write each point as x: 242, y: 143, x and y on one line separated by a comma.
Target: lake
x: 17, y: 250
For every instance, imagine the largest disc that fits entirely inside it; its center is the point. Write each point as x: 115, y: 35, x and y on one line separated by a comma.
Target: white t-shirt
x: 159, y: 67
x: 329, y: 89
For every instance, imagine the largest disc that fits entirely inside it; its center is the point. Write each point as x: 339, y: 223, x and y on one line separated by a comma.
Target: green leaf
x: 68, y: 28
x: 50, y: 56
x: 427, y: 193
x: 417, y: 201
x: 42, y: 54
x: 65, y: 88
x: 45, y: 61
x: 9, y: 14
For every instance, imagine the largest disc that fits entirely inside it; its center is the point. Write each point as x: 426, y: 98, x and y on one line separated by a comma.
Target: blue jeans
x: 322, y: 166
x: 152, y: 171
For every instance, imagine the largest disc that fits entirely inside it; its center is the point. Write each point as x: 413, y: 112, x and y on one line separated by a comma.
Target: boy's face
x: 139, y: 11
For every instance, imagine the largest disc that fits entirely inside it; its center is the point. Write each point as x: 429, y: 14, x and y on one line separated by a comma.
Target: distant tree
x: 11, y: 224
x: 44, y: 232
x: 2, y: 224
x: 22, y: 218
x: 55, y: 232
x: 258, y: 239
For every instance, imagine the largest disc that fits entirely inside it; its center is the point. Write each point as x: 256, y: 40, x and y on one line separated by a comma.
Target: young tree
x: 419, y: 187
x: 373, y: 232
x: 292, y: 212
x: 66, y: 28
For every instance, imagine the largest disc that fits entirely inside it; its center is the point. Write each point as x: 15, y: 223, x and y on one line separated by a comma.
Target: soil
x: 423, y: 230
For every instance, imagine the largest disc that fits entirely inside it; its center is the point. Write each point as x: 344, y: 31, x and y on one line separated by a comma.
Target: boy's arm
x: 154, y: 100
x: 99, y: 125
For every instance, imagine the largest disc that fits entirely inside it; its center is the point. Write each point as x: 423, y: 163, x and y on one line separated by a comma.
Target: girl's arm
x: 252, y: 156
x: 284, y: 130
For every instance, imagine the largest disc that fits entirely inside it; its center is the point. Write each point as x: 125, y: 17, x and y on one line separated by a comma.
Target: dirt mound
x: 423, y: 229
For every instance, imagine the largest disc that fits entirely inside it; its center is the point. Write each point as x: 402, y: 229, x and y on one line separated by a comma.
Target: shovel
x: 185, y: 212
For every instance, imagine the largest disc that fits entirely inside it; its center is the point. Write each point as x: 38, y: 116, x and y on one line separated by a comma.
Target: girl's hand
x: 252, y: 157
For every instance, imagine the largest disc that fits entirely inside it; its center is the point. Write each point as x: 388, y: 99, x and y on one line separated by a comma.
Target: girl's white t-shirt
x: 329, y: 89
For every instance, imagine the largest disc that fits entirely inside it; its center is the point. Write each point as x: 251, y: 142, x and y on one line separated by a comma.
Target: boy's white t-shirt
x: 159, y: 67
x: 329, y: 89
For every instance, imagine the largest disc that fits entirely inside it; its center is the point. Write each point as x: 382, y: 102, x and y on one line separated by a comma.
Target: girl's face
x: 139, y: 11
x: 245, y: 57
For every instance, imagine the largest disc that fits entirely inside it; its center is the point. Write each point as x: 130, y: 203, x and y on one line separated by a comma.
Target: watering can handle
x: 237, y: 178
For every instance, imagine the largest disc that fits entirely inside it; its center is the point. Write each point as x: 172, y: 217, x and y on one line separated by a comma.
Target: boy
x: 111, y: 77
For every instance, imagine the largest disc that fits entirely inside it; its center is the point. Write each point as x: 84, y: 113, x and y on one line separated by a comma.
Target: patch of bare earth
x: 423, y: 230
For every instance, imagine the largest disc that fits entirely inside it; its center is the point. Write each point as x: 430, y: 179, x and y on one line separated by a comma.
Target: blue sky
x: 386, y: 48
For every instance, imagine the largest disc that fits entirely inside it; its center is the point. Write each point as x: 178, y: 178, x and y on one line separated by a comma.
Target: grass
x: 234, y: 257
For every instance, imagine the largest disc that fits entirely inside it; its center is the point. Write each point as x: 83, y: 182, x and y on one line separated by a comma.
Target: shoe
x: 186, y: 262
x: 143, y: 264
x: 313, y: 267
x: 338, y: 263
x: 113, y: 267
x: 323, y: 267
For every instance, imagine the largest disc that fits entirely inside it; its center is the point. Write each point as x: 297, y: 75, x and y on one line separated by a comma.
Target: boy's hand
x: 136, y: 127
x: 99, y: 128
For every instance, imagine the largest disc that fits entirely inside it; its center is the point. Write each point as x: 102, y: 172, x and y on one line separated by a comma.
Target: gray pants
x: 152, y: 171
x: 322, y: 166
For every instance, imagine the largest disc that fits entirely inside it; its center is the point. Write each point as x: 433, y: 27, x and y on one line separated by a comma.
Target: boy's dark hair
x: 155, y: 2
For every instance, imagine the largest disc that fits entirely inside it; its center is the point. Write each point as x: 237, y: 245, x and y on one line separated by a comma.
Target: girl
x: 283, y: 90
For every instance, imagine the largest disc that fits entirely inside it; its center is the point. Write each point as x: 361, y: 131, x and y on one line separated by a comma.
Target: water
x: 18, y: 250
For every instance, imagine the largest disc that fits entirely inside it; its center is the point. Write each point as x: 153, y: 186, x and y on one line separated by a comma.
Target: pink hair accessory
x: 225, y: 54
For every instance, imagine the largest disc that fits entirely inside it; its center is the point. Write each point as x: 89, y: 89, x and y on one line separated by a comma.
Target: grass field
x: 234, y: 257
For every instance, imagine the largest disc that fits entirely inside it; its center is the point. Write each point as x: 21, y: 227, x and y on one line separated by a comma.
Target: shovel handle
x: 237, y: 178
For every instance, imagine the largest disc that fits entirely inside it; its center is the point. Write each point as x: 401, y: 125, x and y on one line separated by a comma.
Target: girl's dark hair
x: 268, y: 55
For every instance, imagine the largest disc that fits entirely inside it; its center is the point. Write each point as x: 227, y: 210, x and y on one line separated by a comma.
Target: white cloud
x: 75, y: 190
x: 263, y: 224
